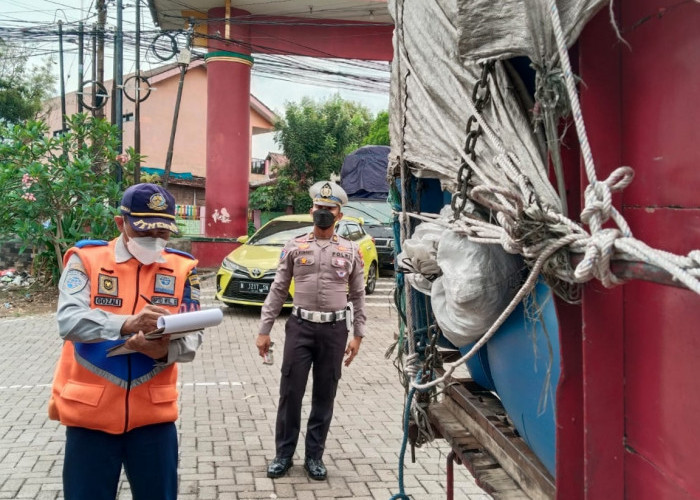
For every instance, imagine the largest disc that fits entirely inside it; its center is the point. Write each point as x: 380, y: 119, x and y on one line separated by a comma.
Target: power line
x: 355, y: 75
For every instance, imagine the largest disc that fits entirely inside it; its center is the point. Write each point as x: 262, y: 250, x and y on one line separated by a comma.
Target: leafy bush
x: 58, y: 190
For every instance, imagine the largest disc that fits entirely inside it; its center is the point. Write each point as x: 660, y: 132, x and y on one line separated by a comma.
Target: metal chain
x: 481, y: 94
x: 424, y: 430
x: 431, y: 353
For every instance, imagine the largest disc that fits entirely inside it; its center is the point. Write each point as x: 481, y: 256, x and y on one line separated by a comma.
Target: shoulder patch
x: 74, y: 281
x: 343, y: 241
x: 194, y: 278
x: 179, y: 252
x: 304, y: 237
x: 90, y: 243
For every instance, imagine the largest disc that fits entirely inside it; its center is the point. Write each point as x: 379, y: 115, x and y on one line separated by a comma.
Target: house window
x: 257, y: 166
x: 58, y: 133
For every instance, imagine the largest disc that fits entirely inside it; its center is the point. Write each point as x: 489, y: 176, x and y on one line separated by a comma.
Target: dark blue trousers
x: 94, y: 459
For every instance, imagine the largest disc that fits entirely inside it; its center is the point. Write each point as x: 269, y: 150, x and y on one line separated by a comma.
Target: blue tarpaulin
x: 363, y: 174
x: 161, y: 171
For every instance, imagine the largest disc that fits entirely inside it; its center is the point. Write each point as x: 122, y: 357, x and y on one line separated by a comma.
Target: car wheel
x: 371, y: 279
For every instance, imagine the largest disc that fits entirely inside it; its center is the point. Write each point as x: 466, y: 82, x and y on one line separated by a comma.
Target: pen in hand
x: 148, y: 301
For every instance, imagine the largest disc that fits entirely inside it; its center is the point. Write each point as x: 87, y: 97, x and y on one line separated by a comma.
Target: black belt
x: 319, y: 316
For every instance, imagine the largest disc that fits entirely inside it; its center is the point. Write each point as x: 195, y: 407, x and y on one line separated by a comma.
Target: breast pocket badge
x: 341, y: 266
x: 108, y: 285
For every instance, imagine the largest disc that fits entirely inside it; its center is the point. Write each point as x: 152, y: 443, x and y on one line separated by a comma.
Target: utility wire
x: 347, y: 74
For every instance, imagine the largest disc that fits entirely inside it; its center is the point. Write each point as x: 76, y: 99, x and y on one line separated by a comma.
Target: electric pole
x: 100, y: 51
x: 80, y: 63
x: 63, y: 88
x: 137, y: 93
x: 118, y: 81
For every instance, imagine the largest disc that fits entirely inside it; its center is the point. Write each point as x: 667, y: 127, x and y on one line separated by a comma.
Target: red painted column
x: 228, y: 125
x: 602, y: 310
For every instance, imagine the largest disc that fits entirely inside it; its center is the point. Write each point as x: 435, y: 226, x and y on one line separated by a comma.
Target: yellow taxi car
x: 246, y: 274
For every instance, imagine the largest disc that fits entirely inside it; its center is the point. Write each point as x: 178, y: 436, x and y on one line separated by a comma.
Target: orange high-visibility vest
x: 119, y: 393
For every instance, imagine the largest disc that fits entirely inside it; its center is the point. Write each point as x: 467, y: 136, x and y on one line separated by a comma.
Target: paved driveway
x: 228, y: 402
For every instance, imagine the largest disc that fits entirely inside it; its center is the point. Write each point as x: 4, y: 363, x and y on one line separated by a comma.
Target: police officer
x: 120, y: 410
x: 324, y: 267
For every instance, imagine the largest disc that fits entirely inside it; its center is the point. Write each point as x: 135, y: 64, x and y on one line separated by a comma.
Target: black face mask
x: 323, y: 219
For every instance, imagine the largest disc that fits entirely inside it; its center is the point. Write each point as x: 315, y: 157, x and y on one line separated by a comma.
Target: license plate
x: 252, y: 287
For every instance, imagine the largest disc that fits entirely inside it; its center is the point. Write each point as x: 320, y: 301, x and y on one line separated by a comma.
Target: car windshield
x: 278, y: 233
x: 374, y: 213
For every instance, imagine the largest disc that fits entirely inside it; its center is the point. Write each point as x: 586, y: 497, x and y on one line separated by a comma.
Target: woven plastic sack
x: 478, y: 281
x: 419, y: 256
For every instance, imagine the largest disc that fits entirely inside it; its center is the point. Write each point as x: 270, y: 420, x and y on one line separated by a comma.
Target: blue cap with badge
x: 149, y: 206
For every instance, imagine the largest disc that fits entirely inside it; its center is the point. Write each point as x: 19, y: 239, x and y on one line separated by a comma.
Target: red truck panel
x: 640, y: 373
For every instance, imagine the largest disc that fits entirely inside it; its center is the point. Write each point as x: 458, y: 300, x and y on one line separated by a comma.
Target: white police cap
x: 328, y: 193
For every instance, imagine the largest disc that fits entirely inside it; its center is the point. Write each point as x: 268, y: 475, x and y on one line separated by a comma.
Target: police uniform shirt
x: 78, y: 322
x: 326, y: 274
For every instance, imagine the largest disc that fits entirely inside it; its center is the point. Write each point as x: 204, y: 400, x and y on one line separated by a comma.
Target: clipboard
x: 177, y: 326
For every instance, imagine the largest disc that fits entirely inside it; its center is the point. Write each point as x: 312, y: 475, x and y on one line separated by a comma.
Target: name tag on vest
x: 108, y: 301
x: 164, y: 301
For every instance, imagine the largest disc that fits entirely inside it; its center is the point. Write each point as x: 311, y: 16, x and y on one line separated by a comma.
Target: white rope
x: 524, y: 290
x: 509, y: 203
x: 411, y: 365
x: 571, y: 90
x: 598, y: 201
x: 613, y: 22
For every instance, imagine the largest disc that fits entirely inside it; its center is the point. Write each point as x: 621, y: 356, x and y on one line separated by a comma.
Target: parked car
x: 246, y: 273
x: 377, y: 218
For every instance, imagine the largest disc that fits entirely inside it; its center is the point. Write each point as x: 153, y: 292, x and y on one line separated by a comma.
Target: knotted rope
x: 538, y: 232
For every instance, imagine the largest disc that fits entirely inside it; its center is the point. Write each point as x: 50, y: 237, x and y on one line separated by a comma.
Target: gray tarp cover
x: 437, y: 45
x: 489, y: 29
x: 363, y: 174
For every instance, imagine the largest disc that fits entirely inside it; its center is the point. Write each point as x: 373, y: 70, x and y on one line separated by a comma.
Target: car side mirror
x: 242, y: 239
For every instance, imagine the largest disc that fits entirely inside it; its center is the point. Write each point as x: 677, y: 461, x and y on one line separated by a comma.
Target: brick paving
x: 228, y: 402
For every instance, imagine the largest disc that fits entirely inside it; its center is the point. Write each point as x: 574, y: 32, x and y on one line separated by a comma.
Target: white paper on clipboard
x: 177, y: 326
x: 189, y: 321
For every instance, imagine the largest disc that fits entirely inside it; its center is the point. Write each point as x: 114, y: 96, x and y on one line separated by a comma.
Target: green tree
x: 379, y: 131
x: 22, y: 88
x: 273, y: 198
x: 315, y: 137
x: 52, y: 196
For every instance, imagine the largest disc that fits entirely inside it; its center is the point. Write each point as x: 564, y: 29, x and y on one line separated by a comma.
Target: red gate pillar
x: 228, y: 134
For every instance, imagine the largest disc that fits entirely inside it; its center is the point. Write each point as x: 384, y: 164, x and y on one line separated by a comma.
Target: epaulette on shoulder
x: 179, y: 252
x: 340, y: 239
x: 91, y: 243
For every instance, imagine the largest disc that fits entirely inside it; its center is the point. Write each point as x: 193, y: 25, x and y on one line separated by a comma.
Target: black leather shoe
x: 315, y: 469
x: 279, y: 467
